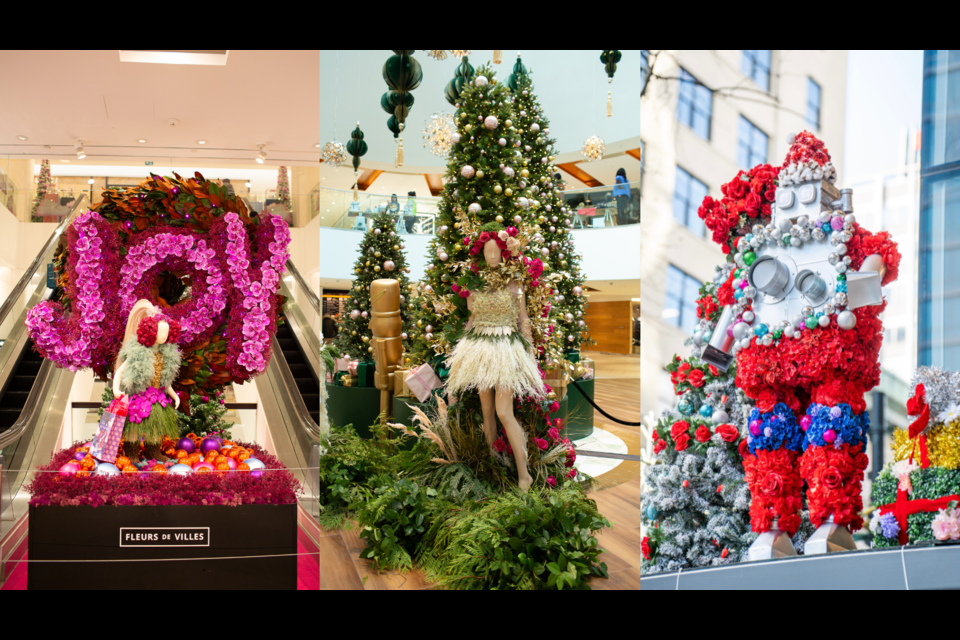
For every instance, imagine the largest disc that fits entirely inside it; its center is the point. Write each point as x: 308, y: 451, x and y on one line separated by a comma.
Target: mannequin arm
x: 116, y: 379
x: 173, y: 394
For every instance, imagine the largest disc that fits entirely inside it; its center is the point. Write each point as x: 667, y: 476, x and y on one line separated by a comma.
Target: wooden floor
x: 617, y: 390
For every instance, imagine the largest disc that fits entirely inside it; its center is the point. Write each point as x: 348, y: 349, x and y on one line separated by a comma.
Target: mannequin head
x: 491, y: 253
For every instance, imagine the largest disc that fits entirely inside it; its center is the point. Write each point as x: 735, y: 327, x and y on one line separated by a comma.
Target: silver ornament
x: 846, y: 320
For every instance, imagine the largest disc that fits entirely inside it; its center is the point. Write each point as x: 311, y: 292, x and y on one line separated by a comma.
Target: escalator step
x: 307, y: 385
x: 14, y: 399
x: 21, y: 383
x: 29, y: 368
x: 312, y: 400
x: 8, y: 416
x: 299, y: 370
x: 316, y: 416
x: 31, y: 355
x: 287, y: 344
x: 293, y: 357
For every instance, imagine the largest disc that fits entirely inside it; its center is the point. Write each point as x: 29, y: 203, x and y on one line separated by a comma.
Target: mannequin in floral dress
x: 496, y: 358
x: 144, y: 373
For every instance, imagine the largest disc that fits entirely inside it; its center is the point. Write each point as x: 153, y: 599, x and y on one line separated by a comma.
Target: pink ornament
x: 755, y: 428
x: 837, y: 223
x: 829, y: 435
x: 490, y: 122
x: 205, y: 465
x: 467, y: 171
x: 744, y: 284
x: 805, y: 422
x: 70, y: 468
x: 231, y: 463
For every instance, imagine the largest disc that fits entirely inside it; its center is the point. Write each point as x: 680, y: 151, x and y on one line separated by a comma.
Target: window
x: 813, y: 103
x: 756, y: 65
x: 901, y: 334
x: 688, y: 194
x: 751, y: 145
x: 694, y: 105
x: 644, y: 66
x: 680, y: 306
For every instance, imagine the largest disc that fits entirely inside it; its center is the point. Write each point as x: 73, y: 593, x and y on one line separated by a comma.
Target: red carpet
x: 308, y: 573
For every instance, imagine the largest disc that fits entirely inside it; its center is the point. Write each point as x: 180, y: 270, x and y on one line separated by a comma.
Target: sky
x: 883, y: 94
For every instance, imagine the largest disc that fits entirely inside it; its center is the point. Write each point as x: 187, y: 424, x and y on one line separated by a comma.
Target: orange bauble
x: 227, y: 443
x: 203, y: 470
x: 158, y: 468
x: 130, y: 469
x: 180, y: 453
x: 83, y: 474
x: 191, y: 435
x: 244, y: 455
x: 232, y: 452
x: 221, y: 460
x: 88, y: 464
x: 223, y: 466
x: 243, y: 467
x: 169, y: 452
x: 83, y: 449
x: 122, y: 461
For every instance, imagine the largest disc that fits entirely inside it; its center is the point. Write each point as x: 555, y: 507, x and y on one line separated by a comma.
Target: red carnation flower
x: 728, y: 432
x: 696, y: 378
x: 147, y: 331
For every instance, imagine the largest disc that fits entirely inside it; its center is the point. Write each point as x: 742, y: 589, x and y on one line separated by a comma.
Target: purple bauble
x: 69, y: 469
x: 256, y: 473
x: 79, y: 455
x: 755, y: 428
x: 829, y: 435
x: 209, y: 444
x: 837, y: 223
x: 187, y: 445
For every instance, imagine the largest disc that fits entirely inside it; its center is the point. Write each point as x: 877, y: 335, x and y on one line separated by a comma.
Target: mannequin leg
x: 516, y: 436
x: 489, y: 415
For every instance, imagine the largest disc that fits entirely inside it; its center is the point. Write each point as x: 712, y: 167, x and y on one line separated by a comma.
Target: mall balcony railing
x: 595, y: 208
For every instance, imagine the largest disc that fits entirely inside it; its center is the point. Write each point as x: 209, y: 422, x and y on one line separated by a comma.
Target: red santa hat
x: 807, y: 159
x: 807, y: 146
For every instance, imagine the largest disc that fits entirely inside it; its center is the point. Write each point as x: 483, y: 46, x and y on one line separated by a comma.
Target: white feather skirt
x: 499, y: 362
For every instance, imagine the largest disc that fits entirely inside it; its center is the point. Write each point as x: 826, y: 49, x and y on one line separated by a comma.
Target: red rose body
x: 702, y: 434
x: 696, y: 378
x: 728, y: 432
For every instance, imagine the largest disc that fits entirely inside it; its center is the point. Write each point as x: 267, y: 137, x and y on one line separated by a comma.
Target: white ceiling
x: 607, y: 290
x: 54, y: 97
x: 570, y: 84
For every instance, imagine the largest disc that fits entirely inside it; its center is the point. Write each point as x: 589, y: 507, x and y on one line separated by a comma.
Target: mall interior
x: 234, y: 138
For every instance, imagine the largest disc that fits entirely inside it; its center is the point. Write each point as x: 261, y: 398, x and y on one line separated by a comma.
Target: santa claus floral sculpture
x: 802, y: 321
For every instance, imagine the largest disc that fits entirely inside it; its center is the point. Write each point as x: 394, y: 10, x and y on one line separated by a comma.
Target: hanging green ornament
x: 461, y: 77
x: 403, y: 74
x: 356, y: 147
x: 519, y: 71
x: 610, y: 59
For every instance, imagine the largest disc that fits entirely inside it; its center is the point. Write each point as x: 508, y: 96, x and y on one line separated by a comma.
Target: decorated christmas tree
x: 283, y: 188
x: 539, y: 186
x: 482, y: 188
x: 44, y: 186
x: 381, y: 256
x: 697, y: 504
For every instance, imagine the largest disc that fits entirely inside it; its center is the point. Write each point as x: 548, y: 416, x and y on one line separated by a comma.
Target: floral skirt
x: 151, y: 416
x: 499, y: 362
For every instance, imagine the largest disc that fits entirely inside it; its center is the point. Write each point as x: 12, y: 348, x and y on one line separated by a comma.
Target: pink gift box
x: 342, y: 364
x: 588, y: 375
x: 422, y: 380
x: 353, y: 367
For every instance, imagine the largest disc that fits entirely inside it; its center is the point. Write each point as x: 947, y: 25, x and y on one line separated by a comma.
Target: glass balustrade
x: 594, y: 208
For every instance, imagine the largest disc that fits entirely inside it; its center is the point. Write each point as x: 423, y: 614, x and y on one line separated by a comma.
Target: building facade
x: 938, y: 340
x: 705, y: 115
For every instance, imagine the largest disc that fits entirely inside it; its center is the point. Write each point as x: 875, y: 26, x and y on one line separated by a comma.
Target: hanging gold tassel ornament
x: 497, y: 56
x: 610, y: 102
x: 399, y: 162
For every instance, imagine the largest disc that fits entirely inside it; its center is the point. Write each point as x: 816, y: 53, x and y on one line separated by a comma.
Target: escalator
x: 14, y: 398
x: 306, y: 379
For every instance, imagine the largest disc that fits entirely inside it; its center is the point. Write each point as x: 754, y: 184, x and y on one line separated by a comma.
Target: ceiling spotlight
x: 81, y: 154
x: 201, y: 142
x: 262, y: 155
x: 90, y: 181
x: 22, y: 138
x: 142, y: 141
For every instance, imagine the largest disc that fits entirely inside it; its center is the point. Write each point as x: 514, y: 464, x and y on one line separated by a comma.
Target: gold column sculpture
x: 386, y: 326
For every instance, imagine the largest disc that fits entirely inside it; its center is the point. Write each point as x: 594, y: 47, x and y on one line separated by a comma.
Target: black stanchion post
x: 876, y: 433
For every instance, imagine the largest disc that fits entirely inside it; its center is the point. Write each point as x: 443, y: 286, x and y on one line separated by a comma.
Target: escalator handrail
x: 32, y: 269
x: 300, y: 407
x: 39, y: 387
x: 311, y: 296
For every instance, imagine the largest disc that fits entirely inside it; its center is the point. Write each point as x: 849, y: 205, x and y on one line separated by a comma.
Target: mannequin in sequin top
x: 496, y: 358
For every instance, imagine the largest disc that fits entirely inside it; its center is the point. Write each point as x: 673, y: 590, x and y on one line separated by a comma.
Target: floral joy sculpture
x: 234, y: 280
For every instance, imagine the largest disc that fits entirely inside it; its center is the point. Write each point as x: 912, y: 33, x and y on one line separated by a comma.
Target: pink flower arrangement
x: 553, y: 433
x: 946, y: 524
x: 542, y: 444
x: 167, y: 248
x: 140, y: 404
x: 89, y: 337
x: 572, y: 474
x: 275, y: 486
x: 256, y: 279
x: 552, y: 481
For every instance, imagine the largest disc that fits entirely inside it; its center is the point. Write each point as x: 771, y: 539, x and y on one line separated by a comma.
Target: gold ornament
x: 396, y: 247
x: 377, y: 268
x: 508, y: 191
x: 365, y: 338
x: 369, y: 349
x: 525, y: 161
x: 468, y: 128
x: 523, y: 172
x: 499, y: 218
x: 497, y: 188
x: 353, y: 333
x: 357, y: 270
x: 943, y: 445
x: 480, y: 173
x: 509, y: 123
x: 368, y: 263
x: 377, y: 254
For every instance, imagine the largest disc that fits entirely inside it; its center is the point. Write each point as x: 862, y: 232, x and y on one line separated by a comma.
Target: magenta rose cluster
x: 256, y: 289
x: 86, y: 339
x: 140, y: 404
x: 176, y: 249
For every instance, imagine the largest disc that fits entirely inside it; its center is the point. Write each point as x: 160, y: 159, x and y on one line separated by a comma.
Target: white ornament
x: 455, y: 138
x: 443, y: 256
x: 354, y: 314
x: 390, y: 266
x: 364, y: 314
x: 502, y: 142
x: 748, y: 317
x: 467, y: 171
x: 376, y: 232
x: 847, y: 320
x: 719, y: 417
x: 474, y: 208
x: 509, y: 171
x: 480, y: 81
x: 534, y: 127
x: 491, y: 122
